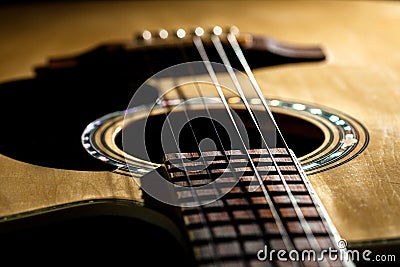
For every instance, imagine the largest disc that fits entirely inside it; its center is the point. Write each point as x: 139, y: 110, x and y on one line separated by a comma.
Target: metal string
x: 199, y: 44
x: 195, y: 196
x: 199, y: 92
x: 232, y: 40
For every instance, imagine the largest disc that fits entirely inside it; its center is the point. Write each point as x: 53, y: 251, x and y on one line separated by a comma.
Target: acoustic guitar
x: 169, y: 149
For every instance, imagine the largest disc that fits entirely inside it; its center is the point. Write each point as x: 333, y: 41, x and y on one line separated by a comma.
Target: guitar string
x: 202, y: 216
x: 238, y: 51
x: 236, y: 178
x: 185, y: 108
x: 217, y: 42
x: 204, y: 103
x: 218, y: 45
x: 285, y: 237
x: 204, y: 222
x: 227, y: 106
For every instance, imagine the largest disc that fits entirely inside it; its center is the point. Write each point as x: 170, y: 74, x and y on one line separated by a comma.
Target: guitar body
x: 59, y: 194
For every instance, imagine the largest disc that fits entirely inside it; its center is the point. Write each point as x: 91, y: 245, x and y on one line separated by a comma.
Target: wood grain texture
x: 361, y: 77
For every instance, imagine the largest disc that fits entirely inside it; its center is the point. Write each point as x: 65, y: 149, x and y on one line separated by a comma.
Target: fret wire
x: 200, y: 47
x: 236, y: 227
x: 237, y: 223
x: 260, y: 221
x: 265, y: 233
x: 323, y: 237
x: 232, y: 40
x: 316, y: 220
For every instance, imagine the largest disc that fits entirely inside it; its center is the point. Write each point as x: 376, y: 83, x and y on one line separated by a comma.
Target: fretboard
x: 242, y: 227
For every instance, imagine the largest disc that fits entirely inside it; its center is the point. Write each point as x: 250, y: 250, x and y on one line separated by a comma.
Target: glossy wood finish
x: 361, y: 78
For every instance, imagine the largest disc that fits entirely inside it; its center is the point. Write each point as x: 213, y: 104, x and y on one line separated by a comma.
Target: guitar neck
x: 240, y: 225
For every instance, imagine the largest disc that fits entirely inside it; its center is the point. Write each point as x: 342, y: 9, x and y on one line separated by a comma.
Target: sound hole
x: 301, y: 136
